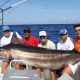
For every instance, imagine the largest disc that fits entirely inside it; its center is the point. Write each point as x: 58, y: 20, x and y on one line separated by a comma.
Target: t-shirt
x: 68, y: 45
x: 33, y: 41
x: 49, y: 45
x: 77, y: 44
x: 7, y: 40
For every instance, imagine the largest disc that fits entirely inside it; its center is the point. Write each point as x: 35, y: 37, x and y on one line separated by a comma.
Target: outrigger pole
x: 2, y: 10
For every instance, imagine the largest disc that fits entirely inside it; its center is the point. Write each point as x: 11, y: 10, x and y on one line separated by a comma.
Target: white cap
x: 42, y: 33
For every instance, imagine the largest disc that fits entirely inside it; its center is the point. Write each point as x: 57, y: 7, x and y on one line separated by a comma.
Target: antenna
x: 2, y: 10
x: 18, y: 3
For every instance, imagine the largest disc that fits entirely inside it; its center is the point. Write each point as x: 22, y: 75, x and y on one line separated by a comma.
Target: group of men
x: 65, y: 43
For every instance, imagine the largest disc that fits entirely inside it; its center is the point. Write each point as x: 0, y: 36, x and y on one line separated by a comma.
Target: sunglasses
x: 62, y: 34
x: 6, y: 31
x: 42, y: 36
x: 26, y: 31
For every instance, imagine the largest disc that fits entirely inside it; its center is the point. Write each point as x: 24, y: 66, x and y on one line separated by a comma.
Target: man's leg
x: 71, y: 69
x: 68, y: 70
x: 40, y: 72
x: 5, y: 65
x: 53, y: 75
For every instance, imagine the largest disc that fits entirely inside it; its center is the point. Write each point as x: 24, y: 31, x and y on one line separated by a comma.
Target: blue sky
x: 42, y: 12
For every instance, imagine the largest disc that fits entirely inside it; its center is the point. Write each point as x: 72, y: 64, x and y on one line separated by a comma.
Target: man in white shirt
x: 7, y: 36
x: 65, y: 42
x: 44, y: 42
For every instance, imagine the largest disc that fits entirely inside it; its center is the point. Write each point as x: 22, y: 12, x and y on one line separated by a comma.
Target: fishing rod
x: 2, y: 10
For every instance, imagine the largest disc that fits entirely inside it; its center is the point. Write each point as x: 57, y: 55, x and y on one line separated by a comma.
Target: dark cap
x: 27, y: 29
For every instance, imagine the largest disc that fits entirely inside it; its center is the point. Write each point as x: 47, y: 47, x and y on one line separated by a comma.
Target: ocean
x: 51, y: 29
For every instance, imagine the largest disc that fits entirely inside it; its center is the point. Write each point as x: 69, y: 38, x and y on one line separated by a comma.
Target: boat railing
x: 18, y: 78
x: 15, y: 61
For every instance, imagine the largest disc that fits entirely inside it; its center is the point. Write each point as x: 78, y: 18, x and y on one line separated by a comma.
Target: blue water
x: 51, y: 29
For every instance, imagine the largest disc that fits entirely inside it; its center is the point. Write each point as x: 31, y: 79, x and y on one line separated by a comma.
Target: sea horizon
x: 51, y: 29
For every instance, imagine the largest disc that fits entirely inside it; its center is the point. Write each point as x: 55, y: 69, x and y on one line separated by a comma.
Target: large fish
x: 44, y: 57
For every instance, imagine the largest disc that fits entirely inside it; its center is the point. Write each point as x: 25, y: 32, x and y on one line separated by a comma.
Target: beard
x: 43, y: 40
x: 78, y: 36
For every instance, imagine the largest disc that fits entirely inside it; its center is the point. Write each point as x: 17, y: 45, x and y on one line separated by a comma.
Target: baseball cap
x: 62, y: 31
x: 27, y: 29
x: 4, y: 28
x: 42, y: 33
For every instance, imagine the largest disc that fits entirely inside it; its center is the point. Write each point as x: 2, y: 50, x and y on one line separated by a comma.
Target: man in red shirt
x: 29, y: 39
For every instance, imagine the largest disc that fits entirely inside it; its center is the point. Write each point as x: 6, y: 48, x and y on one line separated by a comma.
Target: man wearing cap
x: 65, y: 42
x: 44, y: 42
x: 29, y: 39
x: 7, y: 36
